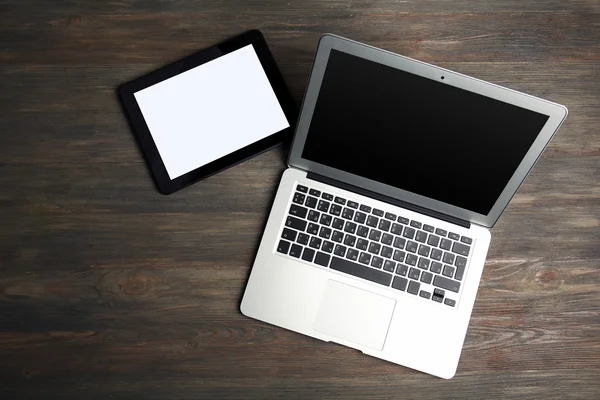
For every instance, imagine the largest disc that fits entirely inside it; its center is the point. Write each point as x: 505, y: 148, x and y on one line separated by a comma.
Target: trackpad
x: 355, y: 315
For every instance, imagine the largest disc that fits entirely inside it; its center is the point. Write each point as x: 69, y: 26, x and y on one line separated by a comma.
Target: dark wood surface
x: 110, y: 290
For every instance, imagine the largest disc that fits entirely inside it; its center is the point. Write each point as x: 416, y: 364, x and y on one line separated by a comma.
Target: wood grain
x: 110, y: 290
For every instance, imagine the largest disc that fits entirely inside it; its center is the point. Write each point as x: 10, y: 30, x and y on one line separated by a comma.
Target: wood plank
x: 167, y: 34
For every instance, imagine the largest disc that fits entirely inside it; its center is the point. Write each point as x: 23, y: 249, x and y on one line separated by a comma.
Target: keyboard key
x: 362, y: 231
x: 298, y: 198
x: 448, y: 258
x: 449, y: 302
x: 412, y: 246
x: 436, y: 267
x: 375, y: 235
x: 440, y: 232
x: 374, y: 248
x: 325, y: 232
x: 460, y: 261
x: 399, y: 243
x: 439, y: 292
x: 411, y: 259
x: 312, y: 228
x: 424, y: 294
x: 446, y: 283
x: 352, y: 254
x: 322, y: 259
x: 335, y: 210
x: 415, y: 224
x: 283, y: 246
x: 298, y: 211
x: 339, y: 200
x: 399, y: 283
x: 360, y: 217
x: 352, y: 204
x: 372, y: 221
x: 311, y: 202
x: 364, y: 258
x: 396, y: 229
x: 362, y: 244
x: 408, y: 233
x: 384, y: 225
x: 446, y: 244
x: 349, y: 240
x: 295, y: 223
x: 365, y: 208
x: 323, y: 206
x: 308, y: 254
x: 448, y: 271
x: 303, y: 238
x: 402, y: 269
x: 296, y: 250
x: 327, y: 196
x: 466, y: 240
x: 315, y: 242
x: 437, y: 299
x: 414, y: 273
x: 460, y: 271
x: 428, y: 228
x: 424, y: 250
x: 314, y: 192
x: 453, y: 236
x: 348, y: 213
x: 376, y: 262
x: 387, y: 252
x: 360, y: 271
x: 426, y: 277
x: 461, y: 249
x: 289, y: 234
x: 399, y: 255
x: 338, y: 223
x: 387, y: 238
x: 339, y: 250
x: 403, y: 220
x: 350, y: 227
x: 313, y: 216
x: 390, y: 216
x: 389, y: 265
x: 302, y: 189
x: 423, y: 263
x: 377, y: 212
x: 413, y: 287
x: 325, y: 219
x: 337, y: 236
x: 327, y: 246
x: 433, y: 240
x: 436, y: 254
x: 421, y: 236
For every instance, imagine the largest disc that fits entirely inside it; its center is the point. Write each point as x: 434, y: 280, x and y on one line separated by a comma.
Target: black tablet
x: 209, y: 111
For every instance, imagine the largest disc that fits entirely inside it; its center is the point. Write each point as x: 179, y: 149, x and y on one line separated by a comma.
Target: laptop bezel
x: 556, y: 112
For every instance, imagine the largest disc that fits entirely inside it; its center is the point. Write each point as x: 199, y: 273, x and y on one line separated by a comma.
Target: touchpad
x: 355, y: 315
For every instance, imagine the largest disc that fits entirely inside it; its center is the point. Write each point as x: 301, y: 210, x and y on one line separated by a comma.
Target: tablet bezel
x: 126, y: 92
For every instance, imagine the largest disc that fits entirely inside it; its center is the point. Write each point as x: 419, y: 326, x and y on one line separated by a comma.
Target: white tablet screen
x: 210, y: 111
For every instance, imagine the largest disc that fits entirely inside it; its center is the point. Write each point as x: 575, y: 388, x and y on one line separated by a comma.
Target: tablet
x: 209, y: 111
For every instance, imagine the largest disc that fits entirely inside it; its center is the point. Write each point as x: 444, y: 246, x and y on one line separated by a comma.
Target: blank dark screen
x: 417, y: 134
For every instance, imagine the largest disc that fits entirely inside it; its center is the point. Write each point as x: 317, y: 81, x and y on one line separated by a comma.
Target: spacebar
x: 361, y: 271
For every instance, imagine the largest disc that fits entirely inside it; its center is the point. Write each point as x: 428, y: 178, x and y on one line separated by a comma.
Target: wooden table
x: 110, y: 290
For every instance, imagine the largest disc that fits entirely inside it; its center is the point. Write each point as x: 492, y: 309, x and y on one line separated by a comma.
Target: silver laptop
x: 380, y: 227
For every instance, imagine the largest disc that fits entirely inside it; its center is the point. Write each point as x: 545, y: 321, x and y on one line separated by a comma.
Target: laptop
x: 380, y: 227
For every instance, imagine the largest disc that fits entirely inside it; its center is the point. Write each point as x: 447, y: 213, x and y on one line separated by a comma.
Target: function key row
x: 312, y: 202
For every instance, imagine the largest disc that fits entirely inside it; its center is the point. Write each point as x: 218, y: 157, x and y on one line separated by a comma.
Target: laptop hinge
x: 389, y: 200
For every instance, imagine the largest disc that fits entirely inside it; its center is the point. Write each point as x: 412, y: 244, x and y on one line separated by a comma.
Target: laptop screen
x: 417, y: 134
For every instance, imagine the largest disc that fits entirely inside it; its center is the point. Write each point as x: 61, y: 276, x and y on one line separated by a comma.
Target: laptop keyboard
x: 378, y: 246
